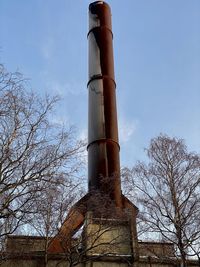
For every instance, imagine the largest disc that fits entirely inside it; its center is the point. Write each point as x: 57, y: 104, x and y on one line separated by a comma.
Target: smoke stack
x: 103, y: 146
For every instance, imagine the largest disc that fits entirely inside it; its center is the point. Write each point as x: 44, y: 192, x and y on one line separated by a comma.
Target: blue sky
x: 157, y: 63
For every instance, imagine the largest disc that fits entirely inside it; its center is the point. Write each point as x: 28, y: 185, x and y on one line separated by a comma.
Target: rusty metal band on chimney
x: 103, y: 146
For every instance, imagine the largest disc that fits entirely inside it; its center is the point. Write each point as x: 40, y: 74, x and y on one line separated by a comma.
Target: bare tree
x: 51, y: 209
x: 167, y: 190
x: 35, y: 154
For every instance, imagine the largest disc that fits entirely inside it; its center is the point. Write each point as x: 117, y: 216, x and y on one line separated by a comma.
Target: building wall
x: 23, y: 251
x: 107, y: 238
x: 143, y: 262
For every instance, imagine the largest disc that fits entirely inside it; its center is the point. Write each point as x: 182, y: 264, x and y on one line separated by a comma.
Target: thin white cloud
x: 83, y: 134
x: 73, y: 88
x: 60, y: 120
x: 47, y: 48
x: 126, y: 129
